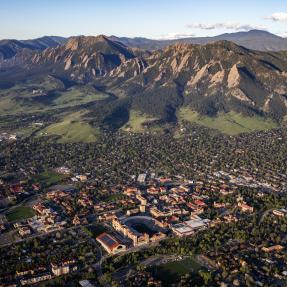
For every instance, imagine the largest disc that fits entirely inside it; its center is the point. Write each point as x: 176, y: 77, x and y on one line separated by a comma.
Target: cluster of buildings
x: 190, y: 226
x: 63, y: 199
x: 157, y: 210
x: 16, y: 191
x: 174, y: 205
x: 46, y: 220
x: 243, y: 177
x: 31, y: 277
x: 8, y: 137
x: 147, y: 211
x: 126, y: 233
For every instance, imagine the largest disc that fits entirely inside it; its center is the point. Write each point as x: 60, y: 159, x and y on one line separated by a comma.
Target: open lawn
x: 114, y: 197
x: 230, y: 123
x: 76, y: 96
x: 136, y: 121
x: 171, y: 272
x: 20, y: 213
x: 49, y: 178
x: 94, y: 230
x: 20, y: 98
x: 72, y: 128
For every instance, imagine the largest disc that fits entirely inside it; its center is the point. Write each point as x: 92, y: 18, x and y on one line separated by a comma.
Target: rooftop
x: 108, y: 240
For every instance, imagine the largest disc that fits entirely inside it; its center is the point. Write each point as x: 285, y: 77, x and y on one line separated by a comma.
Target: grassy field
x: 94, y: 230
x: 72, y: 128
x: 136, y: 121
x: 172, y: 271
x: 114, y: 197
x: 20, y: 213
x: 231, y: 123
x: 49, y: 178
x: 20, y: 98
x: 77, y: 96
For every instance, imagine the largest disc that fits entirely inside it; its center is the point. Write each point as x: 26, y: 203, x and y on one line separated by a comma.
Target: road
x: 5, y: 210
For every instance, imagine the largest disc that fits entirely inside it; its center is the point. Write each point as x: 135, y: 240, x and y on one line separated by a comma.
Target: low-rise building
x: 110, y: 243
x: 24, y: 231
x: 37, y: 279
x: 272, y: 248
x: 245, y: 207
x: 182, y: 229
x: 63, y: 268
x: 280, y: 212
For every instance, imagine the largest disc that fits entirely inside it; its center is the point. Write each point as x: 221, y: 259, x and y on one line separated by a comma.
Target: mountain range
x: 164, y: 85
x: 254, y: 39
x: 9, y: 48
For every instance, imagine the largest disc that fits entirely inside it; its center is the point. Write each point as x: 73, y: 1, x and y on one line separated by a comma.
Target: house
x: 141, y: 178
x: 280, y: 212
x: 82, y: 177
x: 24, y: 231
x: 272, y: 248
x: 153, y: 190
x: 218, y: 205
x: 245, y: 207
x: 16, y: 188
x: 130, y: 191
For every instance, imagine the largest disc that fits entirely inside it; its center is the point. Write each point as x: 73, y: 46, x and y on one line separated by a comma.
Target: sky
x: 157, y: 19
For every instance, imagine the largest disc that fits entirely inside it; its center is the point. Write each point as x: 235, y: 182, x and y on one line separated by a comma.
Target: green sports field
x: 20, y: 213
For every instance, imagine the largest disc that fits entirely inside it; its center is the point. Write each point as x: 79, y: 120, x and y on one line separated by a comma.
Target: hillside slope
x: 210, y: 80
x: 9, y: 48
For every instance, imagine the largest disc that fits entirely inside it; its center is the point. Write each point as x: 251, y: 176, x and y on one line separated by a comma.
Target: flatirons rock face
x: 216, y: 77
x: 82, y: 58
x: 212, y: 78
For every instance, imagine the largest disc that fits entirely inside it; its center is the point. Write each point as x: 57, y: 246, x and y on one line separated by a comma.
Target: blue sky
x: 25, y: 19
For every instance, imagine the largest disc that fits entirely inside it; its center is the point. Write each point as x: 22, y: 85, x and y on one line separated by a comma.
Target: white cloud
x: 174, y: 36
x: 278, y: 17
x: 282, y: 34
x: 223, y: 25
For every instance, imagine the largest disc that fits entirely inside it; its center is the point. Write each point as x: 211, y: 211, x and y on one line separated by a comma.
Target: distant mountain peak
x: 259, y: 32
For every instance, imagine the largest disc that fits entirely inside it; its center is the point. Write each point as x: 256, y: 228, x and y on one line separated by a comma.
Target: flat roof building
x: 195, y: 224
x: 181, y: 229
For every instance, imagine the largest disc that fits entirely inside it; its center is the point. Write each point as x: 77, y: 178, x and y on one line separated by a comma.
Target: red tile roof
x: 108, y: 240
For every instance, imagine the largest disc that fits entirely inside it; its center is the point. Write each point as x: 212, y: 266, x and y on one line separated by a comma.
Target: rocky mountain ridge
x: 210, y: 79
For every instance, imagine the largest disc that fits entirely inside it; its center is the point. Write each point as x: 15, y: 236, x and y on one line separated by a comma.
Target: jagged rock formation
x: 217, y: 77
